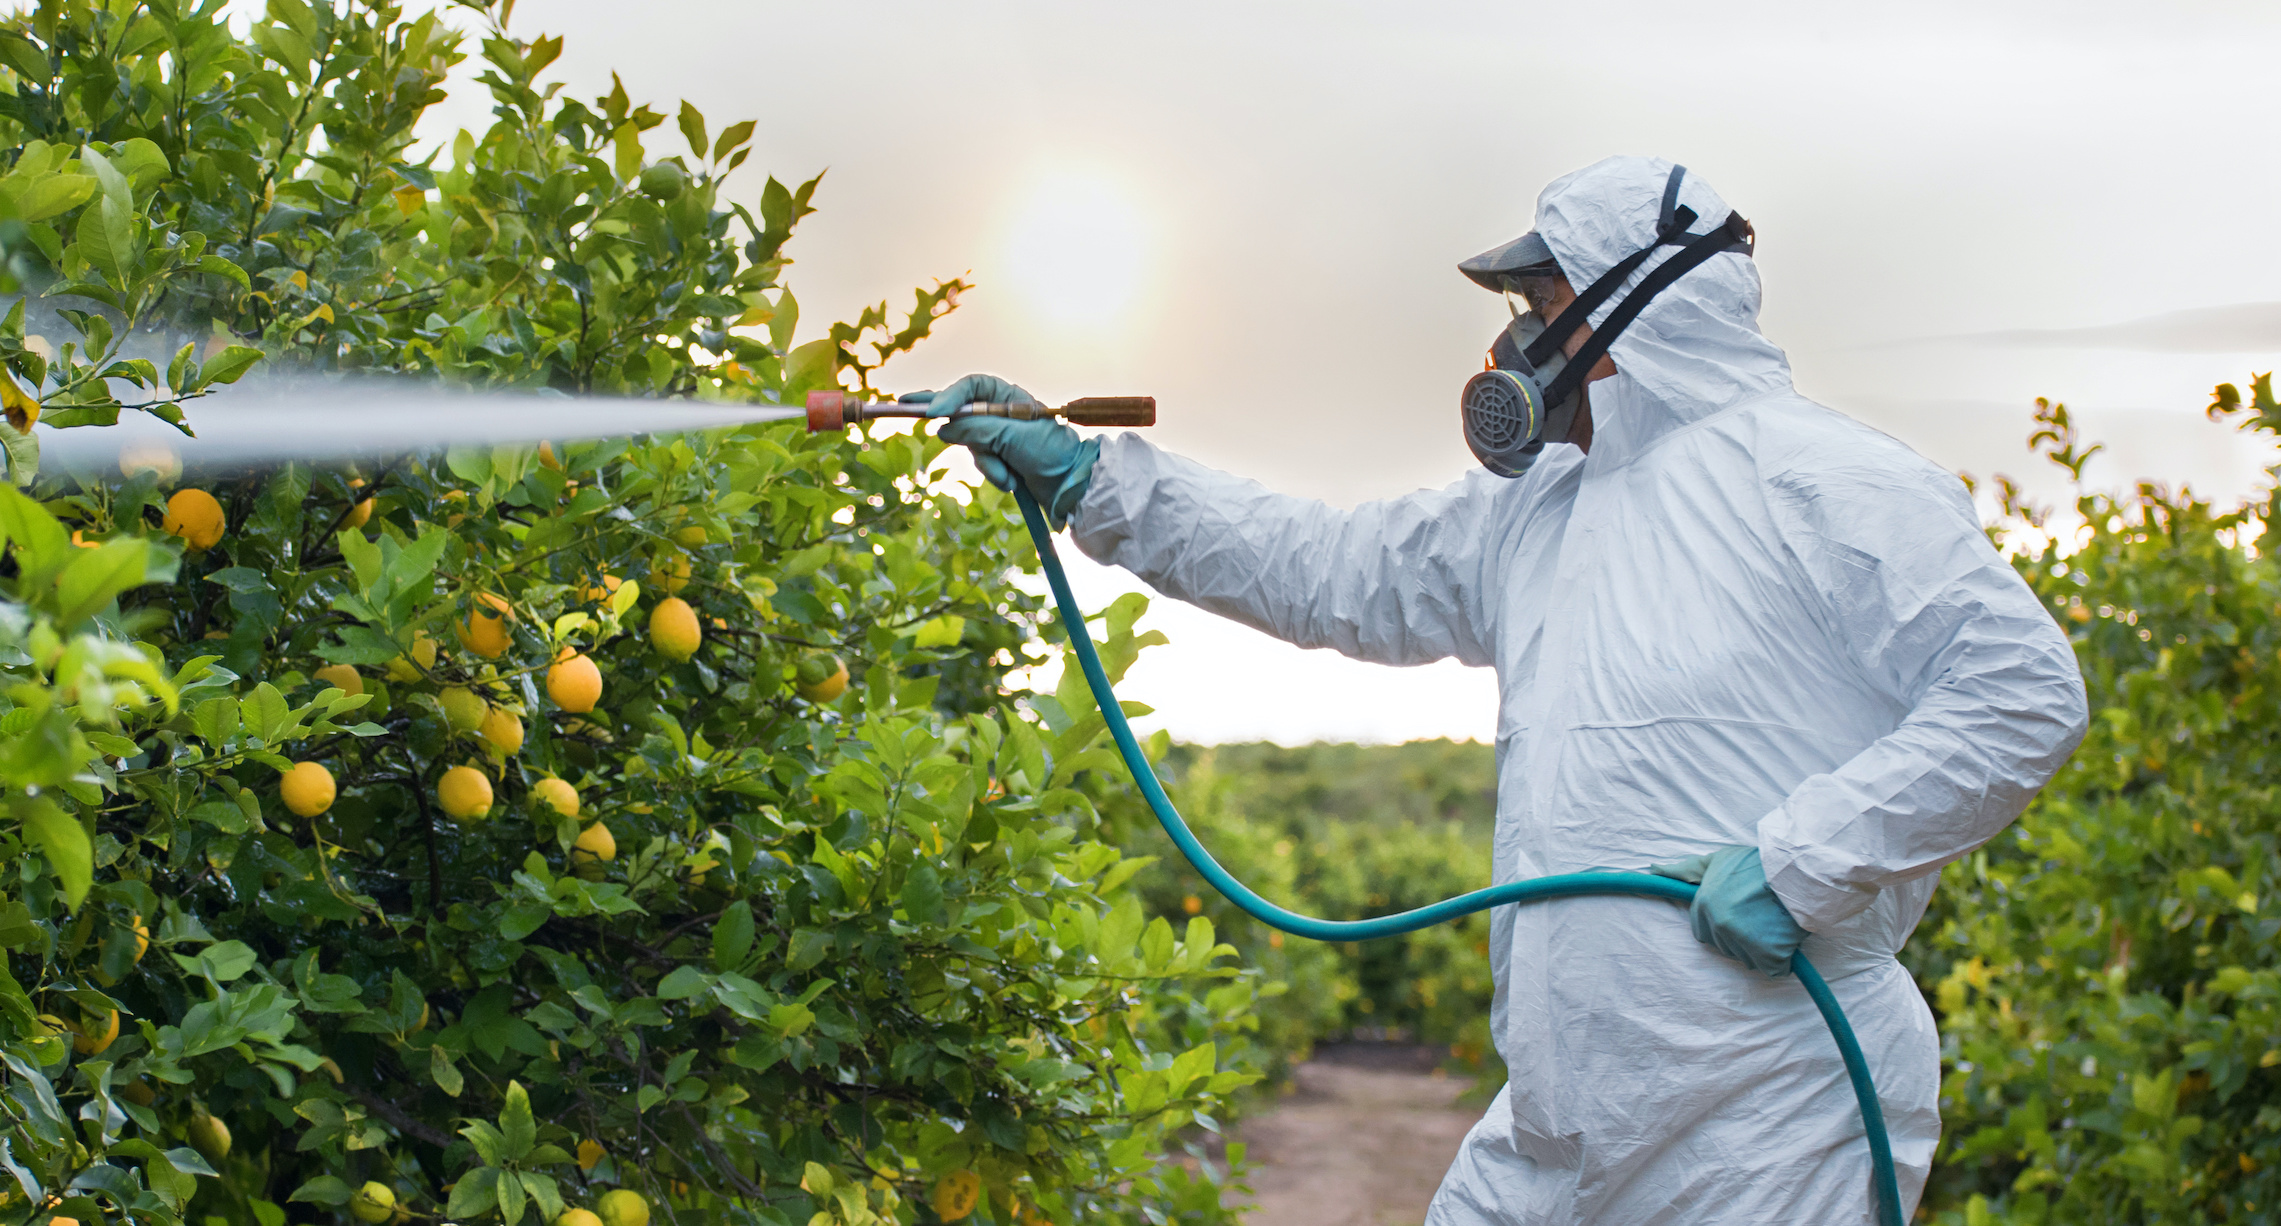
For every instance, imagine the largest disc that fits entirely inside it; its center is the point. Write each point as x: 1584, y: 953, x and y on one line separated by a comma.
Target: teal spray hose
x: 1566, y: 885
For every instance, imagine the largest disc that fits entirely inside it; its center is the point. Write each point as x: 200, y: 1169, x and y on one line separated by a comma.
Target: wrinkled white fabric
x: 1743, y: 618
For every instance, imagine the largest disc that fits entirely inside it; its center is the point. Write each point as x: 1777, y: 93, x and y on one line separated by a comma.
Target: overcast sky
x: 1252, y: 210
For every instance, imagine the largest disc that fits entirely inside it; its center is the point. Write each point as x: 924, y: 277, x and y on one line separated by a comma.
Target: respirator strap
x: 1556, y: 333
x: 1670, y: 230
x: 1735, y: 233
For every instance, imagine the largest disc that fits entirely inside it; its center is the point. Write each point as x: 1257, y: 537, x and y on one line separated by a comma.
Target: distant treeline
x: 1419, y: 781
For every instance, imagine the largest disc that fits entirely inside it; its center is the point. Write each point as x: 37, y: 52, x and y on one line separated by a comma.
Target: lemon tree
x: 629, y: 830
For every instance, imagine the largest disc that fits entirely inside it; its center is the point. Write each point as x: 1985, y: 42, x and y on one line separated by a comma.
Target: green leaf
x: 64, y: 841
x: 683, y: 982
x: 1156, y: 944
x: 221, y: 963
x: 923, y: 896
x: 110, y: 239
x: 809, y: 945
x: 475, y: 1193
x: 228, y: 365
x: 944, y: 631
x: 95, y: 578
x: 364, y: 557
x: 42, y: 544
x: 1120, y: 929
x: 544, y: 1194
x: 735, y: 134
x: 733, y: 936
x: 216, y: 719
x: 693, y: 128
x: 447, y: 1077
x: 517, y: 1132
x: 266, y: 713
x: 323, y: 1190
x: 50, y: 195
x: 649, y: 1096
x: 220, y: 267
x: 115, y: 184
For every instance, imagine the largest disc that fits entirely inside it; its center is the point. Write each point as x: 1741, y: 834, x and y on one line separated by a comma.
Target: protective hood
x: 1696, y: 349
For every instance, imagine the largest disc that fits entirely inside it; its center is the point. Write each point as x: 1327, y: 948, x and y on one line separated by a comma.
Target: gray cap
x: 1490, y: 268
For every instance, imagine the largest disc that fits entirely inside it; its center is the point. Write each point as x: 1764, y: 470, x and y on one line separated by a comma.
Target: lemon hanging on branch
x: 503, y: 730
x: 209, y: 1136
x: 307, y: 789
x: 552, y: 794
x: 193, y: 515
x: 373, y: 1203
x: 573, y: 682
x: 341, y: 677
x: 673, y: 628
x: 595, y: 847
x: 464, y: 793
x: 410, y: 665
x: 464, y: 708
x: 622, y: 1207
x: 955, y: 1195
x: 822, y: 677
x: 485, y: 630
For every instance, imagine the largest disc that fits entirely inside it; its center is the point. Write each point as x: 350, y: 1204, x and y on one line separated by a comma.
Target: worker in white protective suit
x: 1737, y: 635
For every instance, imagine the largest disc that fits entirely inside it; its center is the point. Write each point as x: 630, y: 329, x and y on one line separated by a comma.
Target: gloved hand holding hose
x: 1049, y: 458
x: 1735, y: 911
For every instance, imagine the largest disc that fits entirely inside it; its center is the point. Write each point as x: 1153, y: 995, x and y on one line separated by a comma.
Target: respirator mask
x: 1532, y: 391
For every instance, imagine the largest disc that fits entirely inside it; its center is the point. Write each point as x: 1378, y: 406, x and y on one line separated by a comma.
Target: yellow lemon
x: 485, y: 632
x: 150, y: 457
x: 503, y: 730
x: 555, y: 794
x: 407, y: 667
x: 578, y: 1217
x: 464, y: 793
x: 92, y: 1040
x: 340, y: 677
x: 622, y: 1207
x: 670, y: 571
x: 307, y: 788
x: 464, y: 708
x: 194, y: 516
x: 956, y: 1194
x: 605, y: 589
x: 673, y: 628
x: 358, y: 515
x: 209, y: 1136
x: 573, y: 682
x: 1027, y: 1214
x: 547, y: 458
x: 595, y: 843
x: 690, y: 537
x: 142, y: 938
x: 590, y: 1154
x: 373, y: 1203
x: 823, y: 678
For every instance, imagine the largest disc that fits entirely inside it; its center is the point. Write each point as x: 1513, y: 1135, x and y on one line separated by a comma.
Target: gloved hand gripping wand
x: 1886, y: 1183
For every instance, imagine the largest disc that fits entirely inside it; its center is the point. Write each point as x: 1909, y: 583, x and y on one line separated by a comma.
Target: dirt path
x: 1362, y: 1140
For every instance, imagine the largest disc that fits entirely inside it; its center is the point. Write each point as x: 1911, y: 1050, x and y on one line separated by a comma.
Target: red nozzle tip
x: 827, y: 411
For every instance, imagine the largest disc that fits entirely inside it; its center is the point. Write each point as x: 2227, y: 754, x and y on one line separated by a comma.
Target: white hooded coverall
x: 1743, y: 618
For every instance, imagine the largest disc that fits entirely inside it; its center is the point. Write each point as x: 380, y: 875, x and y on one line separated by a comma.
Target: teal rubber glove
x: 1048, y: 457
x: 1736, y: 912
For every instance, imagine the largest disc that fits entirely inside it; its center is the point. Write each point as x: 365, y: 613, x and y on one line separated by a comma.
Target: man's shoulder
x: 1800, y: 443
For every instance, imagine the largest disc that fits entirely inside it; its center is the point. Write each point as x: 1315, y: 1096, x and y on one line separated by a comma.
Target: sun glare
x: 1075, y: 251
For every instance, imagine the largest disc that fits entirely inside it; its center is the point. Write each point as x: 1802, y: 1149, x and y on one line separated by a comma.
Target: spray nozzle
x: 838, y: 410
